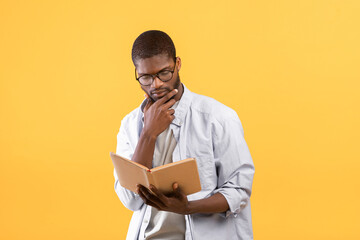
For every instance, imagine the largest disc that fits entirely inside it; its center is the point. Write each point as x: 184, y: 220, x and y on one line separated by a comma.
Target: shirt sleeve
x: 234, y: 165
x: 131, y: 200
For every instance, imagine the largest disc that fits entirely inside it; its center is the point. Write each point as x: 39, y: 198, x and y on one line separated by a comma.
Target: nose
x: 157, y: 83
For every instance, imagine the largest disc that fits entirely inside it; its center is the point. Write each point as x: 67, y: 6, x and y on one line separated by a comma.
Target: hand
x: 175, y: 202
x: 157, y: 115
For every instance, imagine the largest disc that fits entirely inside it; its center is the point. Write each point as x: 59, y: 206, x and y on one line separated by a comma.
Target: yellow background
x: 290, y: 69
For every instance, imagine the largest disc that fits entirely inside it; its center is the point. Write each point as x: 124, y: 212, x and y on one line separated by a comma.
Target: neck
x: 180, y: 92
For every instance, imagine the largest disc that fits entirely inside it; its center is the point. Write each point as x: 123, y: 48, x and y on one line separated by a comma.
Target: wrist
x: 191, y: 207
x: 148, y: 135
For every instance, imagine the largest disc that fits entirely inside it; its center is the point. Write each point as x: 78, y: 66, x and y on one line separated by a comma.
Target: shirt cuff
x: 235, y: 201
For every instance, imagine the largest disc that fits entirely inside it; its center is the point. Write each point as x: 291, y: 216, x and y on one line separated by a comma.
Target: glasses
x: 148, y: 79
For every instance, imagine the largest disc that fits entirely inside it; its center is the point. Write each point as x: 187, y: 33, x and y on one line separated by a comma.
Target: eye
x: 164, y: 73
x: 145, y: 77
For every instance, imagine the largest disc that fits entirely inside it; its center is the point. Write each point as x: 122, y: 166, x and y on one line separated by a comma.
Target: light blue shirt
x: 211, y: 133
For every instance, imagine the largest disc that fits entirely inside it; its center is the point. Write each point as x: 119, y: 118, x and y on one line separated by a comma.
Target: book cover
x: 184, y: 172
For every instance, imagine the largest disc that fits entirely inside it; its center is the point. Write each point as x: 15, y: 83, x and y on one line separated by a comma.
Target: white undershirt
x: 162, y: 224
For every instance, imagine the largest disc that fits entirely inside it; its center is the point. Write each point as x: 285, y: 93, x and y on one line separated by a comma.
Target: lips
x: 159, y: 94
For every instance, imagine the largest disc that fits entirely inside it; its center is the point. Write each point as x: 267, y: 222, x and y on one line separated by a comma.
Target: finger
x: 139, y: 187
x: 177, y: 191
x: 159, y: 194
x: 176, y: 188
x: 171, y: 111
x: 148, y: 103
x: 169, y: 104
x: 146, y: 195
x: 148, y: 201
x: 144, y: 191
x: 151, y: 197
x: 167, y: 97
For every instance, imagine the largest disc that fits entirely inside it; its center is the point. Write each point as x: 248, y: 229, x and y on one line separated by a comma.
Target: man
x: 172, y: 124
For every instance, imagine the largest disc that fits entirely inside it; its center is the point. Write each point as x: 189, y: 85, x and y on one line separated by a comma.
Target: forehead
x: 153, y: 64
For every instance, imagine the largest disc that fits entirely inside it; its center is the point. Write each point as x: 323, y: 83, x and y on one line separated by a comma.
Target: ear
x: 178, y: 61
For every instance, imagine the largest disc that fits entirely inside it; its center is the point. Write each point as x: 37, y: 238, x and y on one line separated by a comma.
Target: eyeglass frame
x: 155, y: 75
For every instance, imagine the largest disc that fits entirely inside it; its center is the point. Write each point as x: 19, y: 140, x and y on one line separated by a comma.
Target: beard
x: 176, y: 85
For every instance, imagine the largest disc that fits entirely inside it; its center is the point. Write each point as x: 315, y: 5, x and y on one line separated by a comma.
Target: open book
x: 184, y: 172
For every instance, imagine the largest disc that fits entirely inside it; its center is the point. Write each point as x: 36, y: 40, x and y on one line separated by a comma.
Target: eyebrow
x: 165, y: 68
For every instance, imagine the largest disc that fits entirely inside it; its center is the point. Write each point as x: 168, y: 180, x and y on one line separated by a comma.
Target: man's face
x: 153, y: 65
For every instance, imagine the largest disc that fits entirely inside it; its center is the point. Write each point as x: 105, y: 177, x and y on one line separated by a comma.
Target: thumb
x: 177, y: 190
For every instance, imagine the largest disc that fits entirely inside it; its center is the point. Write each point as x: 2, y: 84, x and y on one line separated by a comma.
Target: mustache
x: 159, y: 90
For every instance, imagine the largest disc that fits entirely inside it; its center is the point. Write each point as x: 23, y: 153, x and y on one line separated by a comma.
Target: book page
x: 184, y: 172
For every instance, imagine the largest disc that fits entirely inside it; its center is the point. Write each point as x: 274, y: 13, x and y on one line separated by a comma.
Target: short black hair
x: 152, y: 43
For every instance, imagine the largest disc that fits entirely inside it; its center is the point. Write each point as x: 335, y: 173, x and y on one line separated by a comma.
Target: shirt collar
x: 181, y: 109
